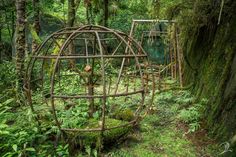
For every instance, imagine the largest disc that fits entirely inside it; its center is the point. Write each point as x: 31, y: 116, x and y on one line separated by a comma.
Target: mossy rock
x: 125, y: 115
x: 109, y: 136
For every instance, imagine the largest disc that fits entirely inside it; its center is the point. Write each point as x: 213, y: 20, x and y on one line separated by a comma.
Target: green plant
x: 20, y: 152
x: 192, y: 116
x: 194, y: 126
x: 90, y: 151
x: 62, y: 150
x: 125, y: 114
x: 189, y: 115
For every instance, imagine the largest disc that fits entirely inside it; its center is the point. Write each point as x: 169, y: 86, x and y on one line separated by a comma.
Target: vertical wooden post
x: 132, y: 29
x: 106, y: 12
x: 20, y: 41
x: 175, y: 52
x: 90, y: 85
x: 179, y: 59
x: 171, y: 61
x: 36, y: 24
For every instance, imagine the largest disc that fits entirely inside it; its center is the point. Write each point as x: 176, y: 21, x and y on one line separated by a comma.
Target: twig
x: 221, y: 9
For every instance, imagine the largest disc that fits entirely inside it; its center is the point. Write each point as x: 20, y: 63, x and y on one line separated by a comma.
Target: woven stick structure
x: 108, y: 64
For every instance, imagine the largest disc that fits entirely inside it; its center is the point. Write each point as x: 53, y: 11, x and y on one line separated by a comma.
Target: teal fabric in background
x: 156, y: 49
x: 155, y: 42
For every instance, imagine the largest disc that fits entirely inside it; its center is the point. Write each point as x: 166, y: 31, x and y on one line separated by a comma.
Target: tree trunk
x: 106, y: 12
x: 12, y: 24
x: 211, y: 58
x: 20, y: 41
x: 1, y: 45
x: 36, y: 25
x: 72, y: 7
x: 0, y: 34
x: 71, y: 13
x: 1, y: 26
x: 89, y: 11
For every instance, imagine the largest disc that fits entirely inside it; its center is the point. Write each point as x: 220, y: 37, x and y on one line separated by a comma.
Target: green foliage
x: 193, y: 115
x: 35, y: 35
x: 156, y: 140
x: 21, y: 135
x: 126, y: 115
x: 160, y: 135
x: 109, y: 136
x: 127, y: 11
x: 9, y: 97
x: 62, y: 151
x: 189, y: 115
x: 7, y: 75
x: 91, y: 152
x: 75, y: 116
x: 16, y: 141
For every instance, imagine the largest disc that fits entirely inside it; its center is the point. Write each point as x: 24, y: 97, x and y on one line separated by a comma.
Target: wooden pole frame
x: 174, y: 48
x: 136, y: 53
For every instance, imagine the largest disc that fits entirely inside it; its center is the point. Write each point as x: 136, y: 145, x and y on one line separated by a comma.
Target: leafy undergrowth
x: 174, y: 128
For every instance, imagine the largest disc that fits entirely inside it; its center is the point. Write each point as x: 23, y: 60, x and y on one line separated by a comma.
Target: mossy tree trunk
x: 12, y: 24
x: 20, y: 41
x: 71, y: 13
x: 89, y: 11
x: 1, y: 26
x: 36, y: 25
x: 106, y: 12
x: 72, y: 8
x: 211, y: 64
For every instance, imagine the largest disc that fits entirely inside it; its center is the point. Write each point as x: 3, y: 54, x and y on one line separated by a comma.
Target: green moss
x: 126, y: 115
x: 109, y: 136
x: 161, y: 134
x: 34, y: 35
x: 214, y: 61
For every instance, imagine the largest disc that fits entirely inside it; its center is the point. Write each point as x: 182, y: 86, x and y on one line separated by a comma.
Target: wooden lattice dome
x: 85, y: 74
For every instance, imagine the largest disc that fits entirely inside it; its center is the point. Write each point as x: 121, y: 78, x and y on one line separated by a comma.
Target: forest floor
x: 173, y: 128
x: 170, y: 131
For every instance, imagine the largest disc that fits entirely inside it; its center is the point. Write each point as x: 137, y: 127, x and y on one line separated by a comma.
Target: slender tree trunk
x: 106, y: 12
x: 36, y: 25
x: 89, y: 11
x: 0, y: 34
x: 12, y: 24
x: 87, y: 14
x: 1, y: 45
x: 71, y: 13
x: 70, y: 23
x: 20, y: 41
x: 1, y: 26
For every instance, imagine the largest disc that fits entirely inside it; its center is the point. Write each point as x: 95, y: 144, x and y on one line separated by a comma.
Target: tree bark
x: 36, y: 25
x: 20, y: 41
x: 106, y: 12
x: 89, y: 11
x: 211, y: 52
x: 1, y: 26
x: 12, y: 24
x: 71, y: 13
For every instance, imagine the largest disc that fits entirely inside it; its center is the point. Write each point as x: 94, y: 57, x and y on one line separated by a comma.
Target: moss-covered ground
x: 169, y: 131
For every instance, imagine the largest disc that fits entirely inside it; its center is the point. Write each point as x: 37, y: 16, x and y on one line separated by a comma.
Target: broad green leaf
x: 30, y: 149
x: 8, y: 101
x: 14, y: 147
